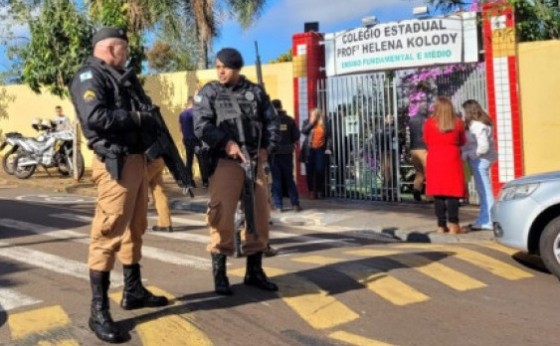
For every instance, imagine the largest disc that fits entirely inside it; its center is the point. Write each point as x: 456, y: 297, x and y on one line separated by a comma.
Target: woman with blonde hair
x: 318, y: 136
x: 479, y: 153
x: 444, y: 134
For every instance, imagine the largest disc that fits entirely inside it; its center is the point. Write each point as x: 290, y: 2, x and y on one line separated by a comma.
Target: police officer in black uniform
x: 118, y: 129
x: 218, y: 108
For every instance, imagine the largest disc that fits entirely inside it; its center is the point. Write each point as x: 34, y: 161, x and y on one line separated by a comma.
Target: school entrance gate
x: 371, y: 80
x: 368, y: 119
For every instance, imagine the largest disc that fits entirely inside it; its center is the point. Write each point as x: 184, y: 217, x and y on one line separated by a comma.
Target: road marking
x: 354, y: 339
x: 10, y: 299
x: 89, y: 218
x: 498, y: 247
x: 372, y: 252
x: 315, y: 305
x: 50, y: 262
x: 379, y: 282
x: 59, y: 343
x: 439, y: 272
x: 37, y: 321
x: 162, y: 255
x: 494, y: 266
x: 166, y: 329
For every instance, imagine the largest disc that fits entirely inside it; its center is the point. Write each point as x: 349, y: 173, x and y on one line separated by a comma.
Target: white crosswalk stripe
x: 204, y: 239
x: 48, y: 261
x: 11, y: 299
x: 166, y: 256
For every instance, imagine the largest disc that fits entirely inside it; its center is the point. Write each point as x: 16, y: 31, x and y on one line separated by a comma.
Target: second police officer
x: 218, y: 108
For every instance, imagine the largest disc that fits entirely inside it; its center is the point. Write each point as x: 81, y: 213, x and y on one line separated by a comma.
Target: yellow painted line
x: 494, y: 266
x: 386, y: 286
x: 372, y: 252
x: 320, y: 260
x: 167, y: 329
x: 316, y: 306
x: 26, y: 323
x: 354, y: 339
x: 59, y: 343
x: 498, y: 247
x: 439, y: 272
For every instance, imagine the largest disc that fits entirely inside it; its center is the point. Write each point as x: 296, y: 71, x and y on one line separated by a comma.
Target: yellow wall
x: 168, y: 90
x: 539, y: 79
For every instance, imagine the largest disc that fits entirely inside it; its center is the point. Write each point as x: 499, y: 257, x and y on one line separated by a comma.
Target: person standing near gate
x: 192, y: 144
x: 119, y: 134
x: 227, y: 111
x: 282, y: 166
x: 318, y: 136
x: 444, y: 135
x: 418, y: 150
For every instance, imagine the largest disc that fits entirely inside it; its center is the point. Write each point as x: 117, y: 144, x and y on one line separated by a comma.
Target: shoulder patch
x: 85, y: 76
x: 197, y: 98
x: 89, y: 95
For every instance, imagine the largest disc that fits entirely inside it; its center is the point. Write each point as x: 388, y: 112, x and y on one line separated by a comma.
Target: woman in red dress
x: 444, y: 134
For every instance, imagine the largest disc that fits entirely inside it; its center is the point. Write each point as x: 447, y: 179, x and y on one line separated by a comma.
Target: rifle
x: 249, y: 167
x: 163, y: 145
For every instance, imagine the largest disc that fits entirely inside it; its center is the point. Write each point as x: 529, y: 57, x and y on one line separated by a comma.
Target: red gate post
x: 308, y: 66
x: 500, y: 49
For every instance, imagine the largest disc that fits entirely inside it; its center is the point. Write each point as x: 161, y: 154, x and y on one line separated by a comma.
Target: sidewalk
x: 406, y: 221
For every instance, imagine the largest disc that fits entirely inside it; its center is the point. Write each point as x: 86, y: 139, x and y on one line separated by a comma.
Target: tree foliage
x: 57, y: 47
x: 285, y: 57
x: 166, y: 57
x: 536, y: 20
x: 5, y: 99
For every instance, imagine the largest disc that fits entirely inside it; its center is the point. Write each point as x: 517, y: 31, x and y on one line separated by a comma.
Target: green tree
x: 59, y: 35
x: 536, y: 20
x: 285, y: 57
x: 206, y: 14
x: 168, y: 57
x: 5, y: 99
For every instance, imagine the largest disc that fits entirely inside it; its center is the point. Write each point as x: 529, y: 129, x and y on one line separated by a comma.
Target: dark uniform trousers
x: 226, y: 187
x: 121, y: 214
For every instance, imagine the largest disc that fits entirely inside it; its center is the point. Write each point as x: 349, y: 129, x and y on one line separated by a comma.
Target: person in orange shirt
x: 318, y: 136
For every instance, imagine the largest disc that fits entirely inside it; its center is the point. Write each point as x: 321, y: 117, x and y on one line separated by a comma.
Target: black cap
x: 231, y: 58
x: 105, y: 33
x: 276, y: 103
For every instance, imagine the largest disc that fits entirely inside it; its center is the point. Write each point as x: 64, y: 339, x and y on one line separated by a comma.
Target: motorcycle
x: 53, y: 149
x: 11, y: 139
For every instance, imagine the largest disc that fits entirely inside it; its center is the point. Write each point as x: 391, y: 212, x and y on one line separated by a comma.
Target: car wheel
x: 549, y: 246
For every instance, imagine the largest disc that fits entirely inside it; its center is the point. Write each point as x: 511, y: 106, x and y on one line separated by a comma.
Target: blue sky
x: 281, y: 19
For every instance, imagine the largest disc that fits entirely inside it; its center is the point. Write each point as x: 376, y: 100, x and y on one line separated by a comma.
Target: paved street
x: 336, y: 288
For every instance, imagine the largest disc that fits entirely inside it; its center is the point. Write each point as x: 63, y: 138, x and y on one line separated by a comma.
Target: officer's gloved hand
x: 143, y: 119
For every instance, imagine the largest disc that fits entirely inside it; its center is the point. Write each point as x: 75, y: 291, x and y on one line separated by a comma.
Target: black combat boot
x: 100, y: 321
x: 135, y: 295
x: 255, y: 276
x: 221, y: 282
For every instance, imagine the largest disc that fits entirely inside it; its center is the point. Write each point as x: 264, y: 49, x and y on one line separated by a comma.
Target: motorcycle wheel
x: 64, y: 167
x: 8, y: 161
x: 23, y: 172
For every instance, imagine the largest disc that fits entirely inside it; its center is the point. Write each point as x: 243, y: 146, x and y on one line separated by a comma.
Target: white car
x: 526, y: 217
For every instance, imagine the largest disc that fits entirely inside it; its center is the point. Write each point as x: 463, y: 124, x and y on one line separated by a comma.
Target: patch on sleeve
x: 84, y: 76
x: 197, y: 98
x: 89, y: 95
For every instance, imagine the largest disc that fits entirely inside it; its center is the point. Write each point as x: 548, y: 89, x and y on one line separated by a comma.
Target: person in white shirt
x: 479, y: 152
x: 61, y: 121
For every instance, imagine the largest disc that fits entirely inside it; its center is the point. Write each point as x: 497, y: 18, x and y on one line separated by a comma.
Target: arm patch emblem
x: 89, y: 95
